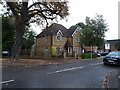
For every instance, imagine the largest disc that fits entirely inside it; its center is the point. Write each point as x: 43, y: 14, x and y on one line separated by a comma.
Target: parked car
x: 112, y: 58
x: 98, y: 54
x: 104, y: 53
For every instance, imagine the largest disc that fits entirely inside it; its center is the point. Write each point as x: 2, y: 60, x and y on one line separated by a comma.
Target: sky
x: 79, y: 9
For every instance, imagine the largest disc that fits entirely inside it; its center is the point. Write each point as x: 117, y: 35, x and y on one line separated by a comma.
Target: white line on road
x: 64, y: 70
x: 6, y: 81
x: 96, y: 64
x: 74, y: 68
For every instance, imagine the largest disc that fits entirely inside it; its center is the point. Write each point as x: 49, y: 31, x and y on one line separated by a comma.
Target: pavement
x: 112, y: 80
x: 35, y: 62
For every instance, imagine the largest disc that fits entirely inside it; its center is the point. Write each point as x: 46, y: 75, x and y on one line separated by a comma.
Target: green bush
x: 53, y: 49
x: 88, y: 55
x: 53, y: 55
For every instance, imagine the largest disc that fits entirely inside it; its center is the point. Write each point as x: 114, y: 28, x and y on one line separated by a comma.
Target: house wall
x: 112, y: 48
x: 40, y: 47
x: 41, y: 41
x: 59, y: 43
x: 77, y: 34
x: 76, y: 44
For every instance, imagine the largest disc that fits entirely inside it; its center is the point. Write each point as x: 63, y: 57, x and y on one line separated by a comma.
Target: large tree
x: 94, y: 32
x: 26, y: 12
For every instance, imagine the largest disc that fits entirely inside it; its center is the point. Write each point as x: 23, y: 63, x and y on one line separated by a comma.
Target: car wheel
x: 105, y: 63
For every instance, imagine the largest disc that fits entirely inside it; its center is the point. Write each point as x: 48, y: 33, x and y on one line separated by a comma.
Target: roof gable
x: 55, y: 28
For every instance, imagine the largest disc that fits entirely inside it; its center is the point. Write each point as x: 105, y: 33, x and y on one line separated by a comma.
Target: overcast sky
x: 79, y: 9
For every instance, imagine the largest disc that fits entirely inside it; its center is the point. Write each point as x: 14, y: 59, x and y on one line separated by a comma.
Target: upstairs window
x: 77, y: 39
x: 59, y: 38
x: 46, y: 38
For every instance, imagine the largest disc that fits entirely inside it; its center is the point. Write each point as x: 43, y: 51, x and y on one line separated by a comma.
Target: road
x: 78, y: 74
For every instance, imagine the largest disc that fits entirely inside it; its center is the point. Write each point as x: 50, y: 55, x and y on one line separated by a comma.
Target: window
x: 107, y: 46
x: 46, y: 38
x: 59, y: 38
x: 46, y: 48
x: 77, y: 50
x: 69, y: 49
x: 59, y: 48
x: 77, y: 39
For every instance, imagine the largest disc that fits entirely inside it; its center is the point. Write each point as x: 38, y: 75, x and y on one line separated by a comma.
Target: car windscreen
x: 114, y: 53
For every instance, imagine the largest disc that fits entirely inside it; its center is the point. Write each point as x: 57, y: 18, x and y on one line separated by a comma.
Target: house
x: 110, y: 45
x: 56, y: 40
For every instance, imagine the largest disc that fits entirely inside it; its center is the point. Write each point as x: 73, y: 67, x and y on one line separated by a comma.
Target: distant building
x: 110, y: 44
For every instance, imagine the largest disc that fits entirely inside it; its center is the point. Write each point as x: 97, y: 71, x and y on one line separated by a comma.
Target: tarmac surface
x: 74, y: 74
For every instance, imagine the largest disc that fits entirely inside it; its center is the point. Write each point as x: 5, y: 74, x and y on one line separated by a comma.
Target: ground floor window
x: 69, y: 49
x: 46, y: 48
x: 77, y: 50
x: 59, y: 48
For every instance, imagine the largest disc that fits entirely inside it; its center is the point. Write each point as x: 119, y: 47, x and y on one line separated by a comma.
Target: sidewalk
x: 35, y: 62
x: 113, y: 80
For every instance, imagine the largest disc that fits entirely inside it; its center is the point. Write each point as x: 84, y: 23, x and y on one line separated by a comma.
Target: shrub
x: 53, y: 49
x: 88, y: 55
x: 53, y: 55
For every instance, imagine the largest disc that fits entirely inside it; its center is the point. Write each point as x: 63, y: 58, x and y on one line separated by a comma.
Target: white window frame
x: 69, y: 49
x: 60, y: 38
x: 107, y: 46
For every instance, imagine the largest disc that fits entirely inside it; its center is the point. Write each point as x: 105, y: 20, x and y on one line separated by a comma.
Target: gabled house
x: 66, y: 42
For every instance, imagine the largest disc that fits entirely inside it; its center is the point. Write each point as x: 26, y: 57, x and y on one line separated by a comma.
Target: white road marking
x: 64, y: 70
x: 74, y: 68
x: 96, y: 64
x: 6, y: 81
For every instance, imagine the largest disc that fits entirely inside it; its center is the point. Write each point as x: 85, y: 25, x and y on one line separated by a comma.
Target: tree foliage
x: 93, y: 31
x: 28, y: 39
x: 8, y: 33
x: 81, y: 25
x: 30, y: 12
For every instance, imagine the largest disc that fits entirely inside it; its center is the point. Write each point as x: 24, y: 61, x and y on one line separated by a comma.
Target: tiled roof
x: 54, y: 28
x: 113, y: 41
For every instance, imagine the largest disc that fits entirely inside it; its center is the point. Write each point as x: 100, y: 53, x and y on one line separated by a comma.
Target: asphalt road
x: 78, y: 74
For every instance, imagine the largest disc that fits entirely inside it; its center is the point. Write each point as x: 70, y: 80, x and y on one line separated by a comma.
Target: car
x: 104, y: 53
x: 98, y: 54
x: 112, y: 58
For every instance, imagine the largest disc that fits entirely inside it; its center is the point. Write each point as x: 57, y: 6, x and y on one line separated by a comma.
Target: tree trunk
x: 20, y: 21
x: 17, y: 44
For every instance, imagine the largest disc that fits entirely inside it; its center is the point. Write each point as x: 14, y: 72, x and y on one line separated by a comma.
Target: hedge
x: 88, y: 55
